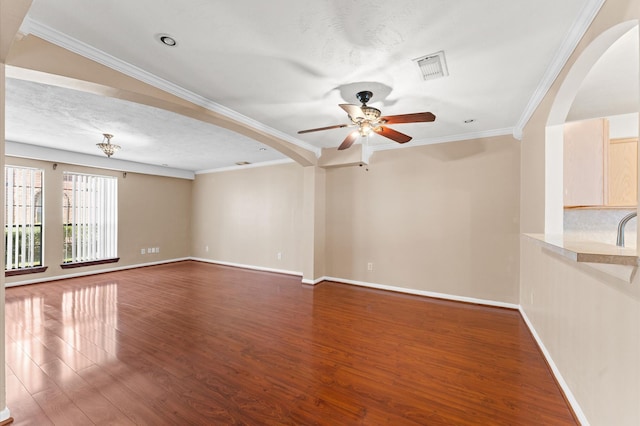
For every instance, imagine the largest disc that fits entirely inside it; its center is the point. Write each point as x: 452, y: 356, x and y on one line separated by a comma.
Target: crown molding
x: 444, y: 139
x: 573, y: 37
x: 35, y: 152
x: 31, y: 26
x: 246, y: 166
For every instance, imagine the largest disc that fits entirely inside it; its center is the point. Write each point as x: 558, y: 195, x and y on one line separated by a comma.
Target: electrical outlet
x: 206, y: 248
x: 142, y: 251
x: 157, y: 249
x: 150, y: 250
x: 279, y: 255
x: 370, y: 266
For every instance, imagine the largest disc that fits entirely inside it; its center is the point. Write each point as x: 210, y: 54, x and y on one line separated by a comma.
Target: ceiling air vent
x: 433, y: 66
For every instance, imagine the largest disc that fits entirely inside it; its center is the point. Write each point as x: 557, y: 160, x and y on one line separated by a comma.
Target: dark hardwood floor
x: 197, y: 344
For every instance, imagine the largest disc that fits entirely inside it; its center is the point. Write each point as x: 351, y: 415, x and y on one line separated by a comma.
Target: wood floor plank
x: 195, y: 343
x: 60, y: 408
x: 136, y: 407
x: 24, y: 409
x: 26, y: 370
x: 85, y: 396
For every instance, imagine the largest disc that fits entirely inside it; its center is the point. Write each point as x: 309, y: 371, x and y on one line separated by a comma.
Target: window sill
x: 90, y: 263
x: 25, y: 271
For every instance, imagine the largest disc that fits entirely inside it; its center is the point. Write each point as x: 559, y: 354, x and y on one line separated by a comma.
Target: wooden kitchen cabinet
x: 598, y: 171
x: 623, y: 172
x: 585, y: 151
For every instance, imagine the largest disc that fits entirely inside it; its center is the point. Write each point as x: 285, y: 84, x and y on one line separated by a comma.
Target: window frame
x: 91, y: 211
x: 36, y: 210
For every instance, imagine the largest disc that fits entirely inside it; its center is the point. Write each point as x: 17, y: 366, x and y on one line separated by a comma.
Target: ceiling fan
x: 368, y: 119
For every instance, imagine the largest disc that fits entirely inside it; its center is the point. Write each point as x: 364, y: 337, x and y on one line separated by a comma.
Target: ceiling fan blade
x: 349, y: 140
x: 337, y: 126
x: 418, y: 117
x: 354, y: 111
x: 392, y: 134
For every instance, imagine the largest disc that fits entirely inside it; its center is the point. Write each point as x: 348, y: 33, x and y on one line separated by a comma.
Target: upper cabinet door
x: 623, y: 173
x: 585, y: 156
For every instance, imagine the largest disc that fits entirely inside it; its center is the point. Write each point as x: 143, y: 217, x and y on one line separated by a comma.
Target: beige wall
x: 248, y: 216
x: 589, y: 322
x: 440, y: 218
x: 153, y: 211
x: 423, y: 216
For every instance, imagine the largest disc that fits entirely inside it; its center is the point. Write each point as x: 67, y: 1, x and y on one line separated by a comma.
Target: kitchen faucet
x: 621, y: 225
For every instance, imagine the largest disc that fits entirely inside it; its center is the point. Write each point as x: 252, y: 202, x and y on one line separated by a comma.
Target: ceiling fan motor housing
x: 364, y: 96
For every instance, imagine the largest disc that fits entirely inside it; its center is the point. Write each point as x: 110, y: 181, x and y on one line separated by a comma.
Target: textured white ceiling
x: 72, y: 120
x: 287, y: 64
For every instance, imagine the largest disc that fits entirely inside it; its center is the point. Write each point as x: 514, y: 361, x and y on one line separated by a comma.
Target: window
x: 90, y: 215
x: 23, y: 218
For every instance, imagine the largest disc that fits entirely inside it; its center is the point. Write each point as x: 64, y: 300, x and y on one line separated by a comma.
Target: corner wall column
x: 5, y: 415
x: 313, y: 238
x: 12, y: 13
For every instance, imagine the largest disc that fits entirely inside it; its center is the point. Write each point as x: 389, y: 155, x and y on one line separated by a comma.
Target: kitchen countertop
x: 587, y: 251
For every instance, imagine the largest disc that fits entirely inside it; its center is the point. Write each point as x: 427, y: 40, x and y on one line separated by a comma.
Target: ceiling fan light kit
x: 370, y: 120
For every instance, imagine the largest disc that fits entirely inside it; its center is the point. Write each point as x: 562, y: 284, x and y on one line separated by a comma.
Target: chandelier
x: 107, y: 147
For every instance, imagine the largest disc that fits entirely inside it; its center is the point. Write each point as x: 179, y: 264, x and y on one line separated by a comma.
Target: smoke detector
x: 433, y: 66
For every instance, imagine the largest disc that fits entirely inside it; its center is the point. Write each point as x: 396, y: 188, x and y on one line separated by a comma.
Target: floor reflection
x: 78, y: 326
x: 91, y: 313
x: 28, y: 322
x: 31, y: 313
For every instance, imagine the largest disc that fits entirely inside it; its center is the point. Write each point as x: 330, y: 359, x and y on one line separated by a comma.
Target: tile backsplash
x: 599, y: 225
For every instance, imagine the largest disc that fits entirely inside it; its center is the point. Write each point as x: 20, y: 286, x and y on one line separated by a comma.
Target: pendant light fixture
x: 107, y: 147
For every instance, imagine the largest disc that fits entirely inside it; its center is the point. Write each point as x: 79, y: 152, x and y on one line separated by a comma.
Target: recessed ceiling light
x: 262, y: 149
x: 167, y: 40
x: 242, y: 163
x: 471, y: 120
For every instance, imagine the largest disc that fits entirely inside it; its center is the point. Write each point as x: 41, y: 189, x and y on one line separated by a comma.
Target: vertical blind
x: 91, y: 217
x: 23, y: 213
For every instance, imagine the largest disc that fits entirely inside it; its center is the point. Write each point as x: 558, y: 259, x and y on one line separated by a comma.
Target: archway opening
x: 601, y: 85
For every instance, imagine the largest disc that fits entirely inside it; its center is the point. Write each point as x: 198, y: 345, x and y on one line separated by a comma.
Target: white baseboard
x: 313, y: 282
x: 94, y: 272
x: 563, y: 384
x: 5, y: 414
x: 424, y: 293
x: 243, y: 266
x: 141, y: 265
